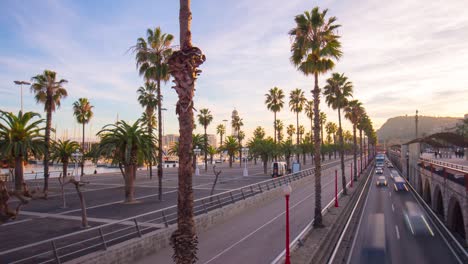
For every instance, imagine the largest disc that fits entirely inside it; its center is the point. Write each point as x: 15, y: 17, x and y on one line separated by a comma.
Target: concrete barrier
x: 150, y: 243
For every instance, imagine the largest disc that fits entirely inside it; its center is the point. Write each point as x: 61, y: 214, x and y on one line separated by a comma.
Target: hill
x: 402, y: 128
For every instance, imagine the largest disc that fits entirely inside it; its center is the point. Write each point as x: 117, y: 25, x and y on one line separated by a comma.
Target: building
x: 169, y: 140
x: 212, y: 140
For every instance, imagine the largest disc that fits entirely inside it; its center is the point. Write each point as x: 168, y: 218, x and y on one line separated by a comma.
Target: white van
x: 278, y: 168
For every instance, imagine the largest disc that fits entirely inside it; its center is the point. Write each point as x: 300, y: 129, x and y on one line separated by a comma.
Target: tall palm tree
x: 322, y: 120
x: 331, y: 128
x: 309, y: 110
x: 62, y: 152
x: 274, y: 102
x: 124, y: 143
x: 49, y: 92
x: 301, y: 132
x: 315, y: 45
x: 183, y: 66
x: 21, y: 137
x: 337, y: 93
x: 237, y: 123
x: 279, y: 129
x: 231, y: 146
x: 353, y: 112
x: 204, y: 118
x: 296, y: 104
x: 221, y: 130
x: 147, y: 99
x: 259, y: 132
x: 362, y: 123
x: 83, y: 111
x: 151, y: 56
x: 290, y: 131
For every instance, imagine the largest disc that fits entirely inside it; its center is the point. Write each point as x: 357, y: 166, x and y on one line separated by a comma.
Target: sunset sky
x: 400, y: 55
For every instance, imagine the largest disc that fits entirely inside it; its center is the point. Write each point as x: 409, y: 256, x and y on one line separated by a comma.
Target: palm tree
x: 290, y: 131
x: 183, y: 66
x: 259, y: 132
x: 83, y: 111
x: 147, y: 99
x: 330, y: 127
x: 50, y: 92
x: 211, y: 151
x: 231, y: 146
x: 274, y: 102
x: 309, y: 110
x: 279, y: 129
x: 62, y: 152
x: 151, y: 56
x: 315, y: 44
x: 296, y: 104
x: 323, y: 120
x: 353, y: 112
x: 237, y: 123
x: 362, y: 123
x: 220, y: 130
x: 124, y: 143
x: 198, y: 141
x: 20, y: 138
x: 264, y: 148
x: 301, y: 132
x: 204, y: 118
x: 337, y: 93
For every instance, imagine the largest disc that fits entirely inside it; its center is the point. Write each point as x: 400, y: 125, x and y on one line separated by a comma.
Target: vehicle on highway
x: 381, y: 181
x: 379, y: 160
x: 374, y: 252
x: 379, y: 170
x: 390, y: 165
x: 218, y: 161
x: 399, y: 184
x: 278, y: 168
x: 415, y: 220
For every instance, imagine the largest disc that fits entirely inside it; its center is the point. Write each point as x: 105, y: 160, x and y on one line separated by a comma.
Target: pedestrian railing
x: 461, y: 168
x: 71, y: 246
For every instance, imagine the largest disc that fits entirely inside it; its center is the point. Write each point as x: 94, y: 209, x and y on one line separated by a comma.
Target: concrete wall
x: 150, y: 243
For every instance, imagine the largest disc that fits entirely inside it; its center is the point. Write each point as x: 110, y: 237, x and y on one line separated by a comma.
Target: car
x: 415, y: 220
x: 390, y: 165
x: 400, y: 184
x: 218, y: 161
x: 381, y: 181
x: 379, y: 170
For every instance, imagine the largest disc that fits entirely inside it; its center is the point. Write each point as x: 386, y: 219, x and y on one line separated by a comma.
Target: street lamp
x: 77, y: 157
x: 245, y: 153
x: 287, y: 192
x: 162, y: 115
x: 197, y: 152
x: 20, y: 83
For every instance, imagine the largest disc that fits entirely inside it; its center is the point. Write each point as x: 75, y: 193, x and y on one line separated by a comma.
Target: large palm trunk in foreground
x: 83, y: 149
x: 19, y: 174
x: 317, y: 145
x: 183, y: 66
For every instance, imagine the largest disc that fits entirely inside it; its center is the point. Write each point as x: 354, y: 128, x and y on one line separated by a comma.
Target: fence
x: 68, y: 247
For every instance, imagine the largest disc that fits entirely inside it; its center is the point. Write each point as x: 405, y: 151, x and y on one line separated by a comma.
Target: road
x: 258, y: 235
x: 384, y: 235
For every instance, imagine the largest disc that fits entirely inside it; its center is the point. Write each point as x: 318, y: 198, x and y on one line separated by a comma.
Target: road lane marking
x: 393, y: 208
x: 390, y: 193
x: 397, y: 232
x: 409, y: 223
x: 256, y: 230
x: 427, y: 225
x: 16, y: 222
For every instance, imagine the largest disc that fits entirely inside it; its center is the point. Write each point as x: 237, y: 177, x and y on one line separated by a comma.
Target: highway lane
x: 388, y: 233
x: 258, y: 235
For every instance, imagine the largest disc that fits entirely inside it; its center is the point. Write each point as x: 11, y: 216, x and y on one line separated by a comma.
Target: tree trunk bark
x: 150, y: 132
x: 297, y: 136
x: 82, y: 149
x: 183, y: 65
x: 230, y: 161
x: 317, y: 146
x: 361, y: 148
x: 129, y: 183
x: 265, y: 167
x: 340, y: 135
x: 206, y: 152
x: 160, y: 168
x: 355, y: 152
x: 47, y: 149
x: 19, y: 174
x: 84, y: 216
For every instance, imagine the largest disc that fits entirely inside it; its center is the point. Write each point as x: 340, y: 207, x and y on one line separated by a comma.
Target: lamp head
x: 287, y: 190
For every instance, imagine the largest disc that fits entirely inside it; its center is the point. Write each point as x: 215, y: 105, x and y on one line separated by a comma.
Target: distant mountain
x: 401, y: 129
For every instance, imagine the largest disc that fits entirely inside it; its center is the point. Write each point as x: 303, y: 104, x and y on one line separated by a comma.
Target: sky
x: 401, y: 56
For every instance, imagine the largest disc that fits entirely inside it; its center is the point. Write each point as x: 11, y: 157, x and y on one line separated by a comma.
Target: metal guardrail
x: 461, y: 168
x: 70, y: 246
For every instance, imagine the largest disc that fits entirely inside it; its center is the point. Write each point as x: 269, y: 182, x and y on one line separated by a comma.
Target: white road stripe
x: 397, y: 232
x: 16, y: 222
x: 393, y: 208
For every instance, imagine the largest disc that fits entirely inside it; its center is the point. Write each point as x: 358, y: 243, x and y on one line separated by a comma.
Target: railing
x: 67, y: 247
x: 461, y: 168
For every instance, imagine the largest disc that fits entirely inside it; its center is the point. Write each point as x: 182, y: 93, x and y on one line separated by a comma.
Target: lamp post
x: 245, y: 153
x: 77, y: 157
x: 197, y: 152
x: 20, y: 83
x: 287, y: 192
